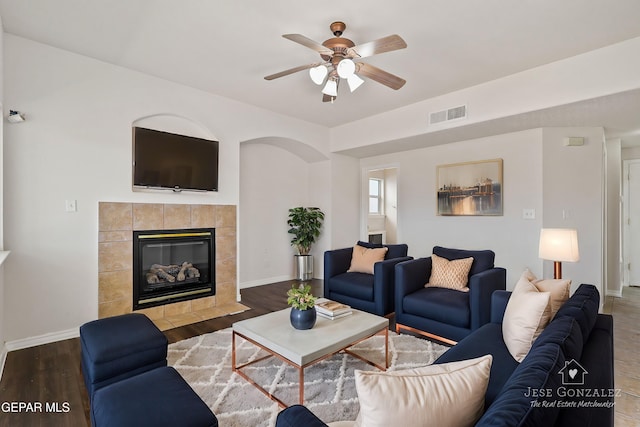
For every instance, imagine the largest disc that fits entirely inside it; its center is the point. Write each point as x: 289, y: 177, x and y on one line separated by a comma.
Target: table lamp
x: 557, y: 245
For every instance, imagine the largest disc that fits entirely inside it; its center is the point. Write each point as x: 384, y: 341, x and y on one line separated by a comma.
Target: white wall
x: 613, y: 218
x: 2, y: 299
x: 272, y: 180
x: 581, y: 77
x: 2, y: 108
x: 321, y: 195
x: 344, y: 220
x: 391, y: 204
x: 513, y: 239
x: 573, y: 197
x: 630, y: 153
x: 76, y: 144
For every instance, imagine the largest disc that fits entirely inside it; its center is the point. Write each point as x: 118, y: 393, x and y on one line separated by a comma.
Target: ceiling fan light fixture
x: 331, y: 88
x: 346, y: 68
x: 338, y: 54
x: 318, y: 74
x: 354, y: 82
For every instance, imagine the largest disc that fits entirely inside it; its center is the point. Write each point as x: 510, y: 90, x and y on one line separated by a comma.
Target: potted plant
x: 305, y: 225
x: 303, y: 315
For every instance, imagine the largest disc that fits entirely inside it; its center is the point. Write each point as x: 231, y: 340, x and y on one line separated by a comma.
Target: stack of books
x: 332, y: 309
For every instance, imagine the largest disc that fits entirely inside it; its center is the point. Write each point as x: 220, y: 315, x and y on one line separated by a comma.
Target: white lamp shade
x: 559, y: 244
x: 354, y: 82
x: 346, y: 68
x: 318, y: 74
x: 331, y: 88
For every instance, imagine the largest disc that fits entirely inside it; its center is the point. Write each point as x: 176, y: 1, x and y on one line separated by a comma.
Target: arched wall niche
x: 175, y: 123
x: 276, y: 173
x: 300, y: 149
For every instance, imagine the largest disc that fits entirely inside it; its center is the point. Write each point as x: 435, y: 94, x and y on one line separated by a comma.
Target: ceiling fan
x: 338, y: 56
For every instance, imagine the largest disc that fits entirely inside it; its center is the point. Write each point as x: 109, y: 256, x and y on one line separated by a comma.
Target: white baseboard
x: 42, y: 339
x: 617, y: 294
x: 260, y: 282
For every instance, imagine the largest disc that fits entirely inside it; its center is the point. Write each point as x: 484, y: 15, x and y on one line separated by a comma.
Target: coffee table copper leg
x: 233, y: 351
x: 386, y: 348
x: 301, y: 384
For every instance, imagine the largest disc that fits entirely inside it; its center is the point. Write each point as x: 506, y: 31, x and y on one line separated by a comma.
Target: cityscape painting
x: 472, y: 188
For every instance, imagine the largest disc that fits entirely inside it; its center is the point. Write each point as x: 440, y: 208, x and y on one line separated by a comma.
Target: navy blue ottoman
x: 156, y: 398
x: 115, y: 348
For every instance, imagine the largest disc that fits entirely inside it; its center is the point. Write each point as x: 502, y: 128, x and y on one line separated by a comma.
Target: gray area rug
x: 205, y: 363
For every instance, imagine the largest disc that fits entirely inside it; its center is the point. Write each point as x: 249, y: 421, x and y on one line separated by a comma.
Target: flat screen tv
x: 169, y: 161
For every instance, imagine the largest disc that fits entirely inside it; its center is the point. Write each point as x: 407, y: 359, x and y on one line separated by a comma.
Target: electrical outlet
x: 528, y: 214
x: 71, y: 205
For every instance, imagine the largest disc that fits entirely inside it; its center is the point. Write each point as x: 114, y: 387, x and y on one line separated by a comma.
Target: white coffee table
x: 301, y: 348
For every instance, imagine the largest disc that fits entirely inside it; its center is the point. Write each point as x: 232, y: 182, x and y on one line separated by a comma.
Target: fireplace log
x: 193, y: 273
x: 171, y: 269
x: 170, y: 273
x: 181, y: 275
x: 162, y: 274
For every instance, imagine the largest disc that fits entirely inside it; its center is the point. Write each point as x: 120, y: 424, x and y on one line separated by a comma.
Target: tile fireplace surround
x: 117, y: 221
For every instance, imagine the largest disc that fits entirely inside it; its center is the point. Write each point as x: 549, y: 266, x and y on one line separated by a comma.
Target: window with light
x: 375, y: 196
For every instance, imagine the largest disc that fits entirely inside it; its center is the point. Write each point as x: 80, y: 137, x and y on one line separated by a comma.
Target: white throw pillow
x: 526, y: 315
x: 449, y: 394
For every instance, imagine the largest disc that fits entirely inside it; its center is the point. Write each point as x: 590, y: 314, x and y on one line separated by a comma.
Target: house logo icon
x: 573, y: 373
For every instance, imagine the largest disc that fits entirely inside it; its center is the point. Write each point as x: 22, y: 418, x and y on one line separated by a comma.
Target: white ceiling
x: 226, y: 47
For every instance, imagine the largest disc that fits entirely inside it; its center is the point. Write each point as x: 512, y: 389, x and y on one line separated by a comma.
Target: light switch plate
x: 528, y: 214
x: 71, y: 205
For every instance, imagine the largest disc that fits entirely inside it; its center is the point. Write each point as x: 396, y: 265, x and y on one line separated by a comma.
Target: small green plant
x: 300, y: 297
x: 305, y: 226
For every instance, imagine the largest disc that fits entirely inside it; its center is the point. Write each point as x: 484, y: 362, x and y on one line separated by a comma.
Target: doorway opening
x: 631, y: 223
x: 380, y: 211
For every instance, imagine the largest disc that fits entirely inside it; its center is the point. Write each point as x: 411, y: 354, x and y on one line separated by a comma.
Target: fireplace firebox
x: 172, y: 265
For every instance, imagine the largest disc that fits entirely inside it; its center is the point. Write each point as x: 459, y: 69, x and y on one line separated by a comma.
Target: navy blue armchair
x: 373, y: 293
x: 447, y: 315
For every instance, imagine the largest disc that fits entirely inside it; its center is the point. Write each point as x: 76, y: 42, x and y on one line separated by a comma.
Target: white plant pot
x: 304, y: 267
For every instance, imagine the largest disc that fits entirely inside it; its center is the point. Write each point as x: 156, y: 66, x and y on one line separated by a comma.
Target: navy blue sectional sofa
x: 566, y: 379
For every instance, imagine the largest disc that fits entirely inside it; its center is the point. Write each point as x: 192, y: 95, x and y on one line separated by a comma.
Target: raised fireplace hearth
x: 172, y: 265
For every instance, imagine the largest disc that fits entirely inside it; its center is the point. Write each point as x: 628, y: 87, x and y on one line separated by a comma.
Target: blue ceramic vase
x: 303, y: 319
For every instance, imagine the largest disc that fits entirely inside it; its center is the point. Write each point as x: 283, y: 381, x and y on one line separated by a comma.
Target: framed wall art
x: 471, y: 188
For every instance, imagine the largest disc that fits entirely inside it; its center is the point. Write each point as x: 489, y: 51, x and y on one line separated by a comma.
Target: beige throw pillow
x: 558, y: 288
x: 452, y: 274
x: 526, y: 315
x: 450, y: 394
x: 559, y: 292
x: 363, y: 259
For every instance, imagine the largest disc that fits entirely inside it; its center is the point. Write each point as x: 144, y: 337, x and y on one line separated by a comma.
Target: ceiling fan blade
x: 292, y: 70
x: 385, y: 44
x: 307, y: 42
x: 381, y: 76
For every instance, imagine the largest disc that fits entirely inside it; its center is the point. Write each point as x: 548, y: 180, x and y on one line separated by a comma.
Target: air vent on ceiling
x: 448, y: 114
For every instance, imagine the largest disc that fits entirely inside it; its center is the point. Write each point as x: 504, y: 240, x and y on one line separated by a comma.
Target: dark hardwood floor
x: 48, y: 382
